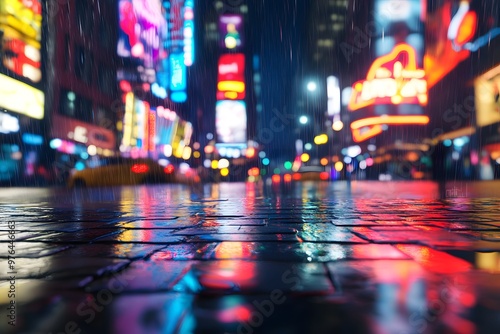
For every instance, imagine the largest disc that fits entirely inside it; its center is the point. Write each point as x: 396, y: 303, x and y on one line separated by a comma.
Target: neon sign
x: 369, y: 127
x: 231, y: 29
x: 178, y: 75
x: 231, y: 78
x: 189, y: 32
x: 392, y: 79
x: 21, y: 98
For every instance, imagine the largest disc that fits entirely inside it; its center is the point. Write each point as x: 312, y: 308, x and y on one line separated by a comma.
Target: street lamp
x: 303, y: 120
x: 312, y: 86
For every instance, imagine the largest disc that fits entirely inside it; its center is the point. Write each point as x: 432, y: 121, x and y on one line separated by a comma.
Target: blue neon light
x: 32, y: 139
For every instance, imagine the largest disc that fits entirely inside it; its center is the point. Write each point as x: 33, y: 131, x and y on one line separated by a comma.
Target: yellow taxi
x: 311, y: 173
x: 123, y: 171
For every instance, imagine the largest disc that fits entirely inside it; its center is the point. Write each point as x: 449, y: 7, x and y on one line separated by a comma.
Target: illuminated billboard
x: 21, y: 36
x: 393, y: 79
x: 231, y: 77
x: 21, y: 98
x: 142, y: 27
x: 394, y: 93
x: 231, y: 121
x: 452, y: 27
x: 231, y: 31
x: 174, y: 10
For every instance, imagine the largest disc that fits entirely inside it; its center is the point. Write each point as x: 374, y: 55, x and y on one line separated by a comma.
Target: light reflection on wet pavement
x: 365, y: 257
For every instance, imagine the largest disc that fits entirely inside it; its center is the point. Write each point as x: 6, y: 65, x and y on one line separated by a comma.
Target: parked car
x: 123, y: 171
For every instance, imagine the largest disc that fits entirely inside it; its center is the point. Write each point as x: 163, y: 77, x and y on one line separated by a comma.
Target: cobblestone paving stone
x: 243, y: 258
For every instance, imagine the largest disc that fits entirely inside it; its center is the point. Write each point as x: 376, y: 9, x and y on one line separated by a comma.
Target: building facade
x: 83, y: 103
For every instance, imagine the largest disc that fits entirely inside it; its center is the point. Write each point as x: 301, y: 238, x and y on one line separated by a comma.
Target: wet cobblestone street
x: 366, y: 257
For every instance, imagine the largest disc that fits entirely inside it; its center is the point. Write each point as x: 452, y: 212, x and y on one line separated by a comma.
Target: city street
x: 311, y: 257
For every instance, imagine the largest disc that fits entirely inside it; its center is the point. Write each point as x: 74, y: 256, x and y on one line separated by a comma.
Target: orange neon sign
x: 390, y: 120
x: 366, y: 128
x: 392, y: 79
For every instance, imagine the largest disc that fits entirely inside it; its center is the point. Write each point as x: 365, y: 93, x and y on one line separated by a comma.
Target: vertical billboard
x: 189, y: 32
x: 231, y: 122
x: 178, y: 80
x: 143, y: 27
x: 394, y: 91
x: 231, y: 77
x: 231, y: 31
x: 165, y: 123
x: 136, y: 125
x: 175, y: 16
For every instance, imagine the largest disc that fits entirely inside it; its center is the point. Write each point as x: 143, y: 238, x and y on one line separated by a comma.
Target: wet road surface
x: 361, y: 257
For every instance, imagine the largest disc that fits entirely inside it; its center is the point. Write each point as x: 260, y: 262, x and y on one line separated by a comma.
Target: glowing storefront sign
x: 369, y: 127
x: 81, y: 132
x: 231, y: 78
x: 21, y: 98
x: 21, y: 25
x: 151, y: 131
x: 392, y: 79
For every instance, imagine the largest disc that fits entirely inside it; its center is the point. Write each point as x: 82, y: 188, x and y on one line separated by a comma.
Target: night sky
x: 279, y: 44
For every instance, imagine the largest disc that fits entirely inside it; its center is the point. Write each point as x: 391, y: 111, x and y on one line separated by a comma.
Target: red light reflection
x: 139, y: 168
